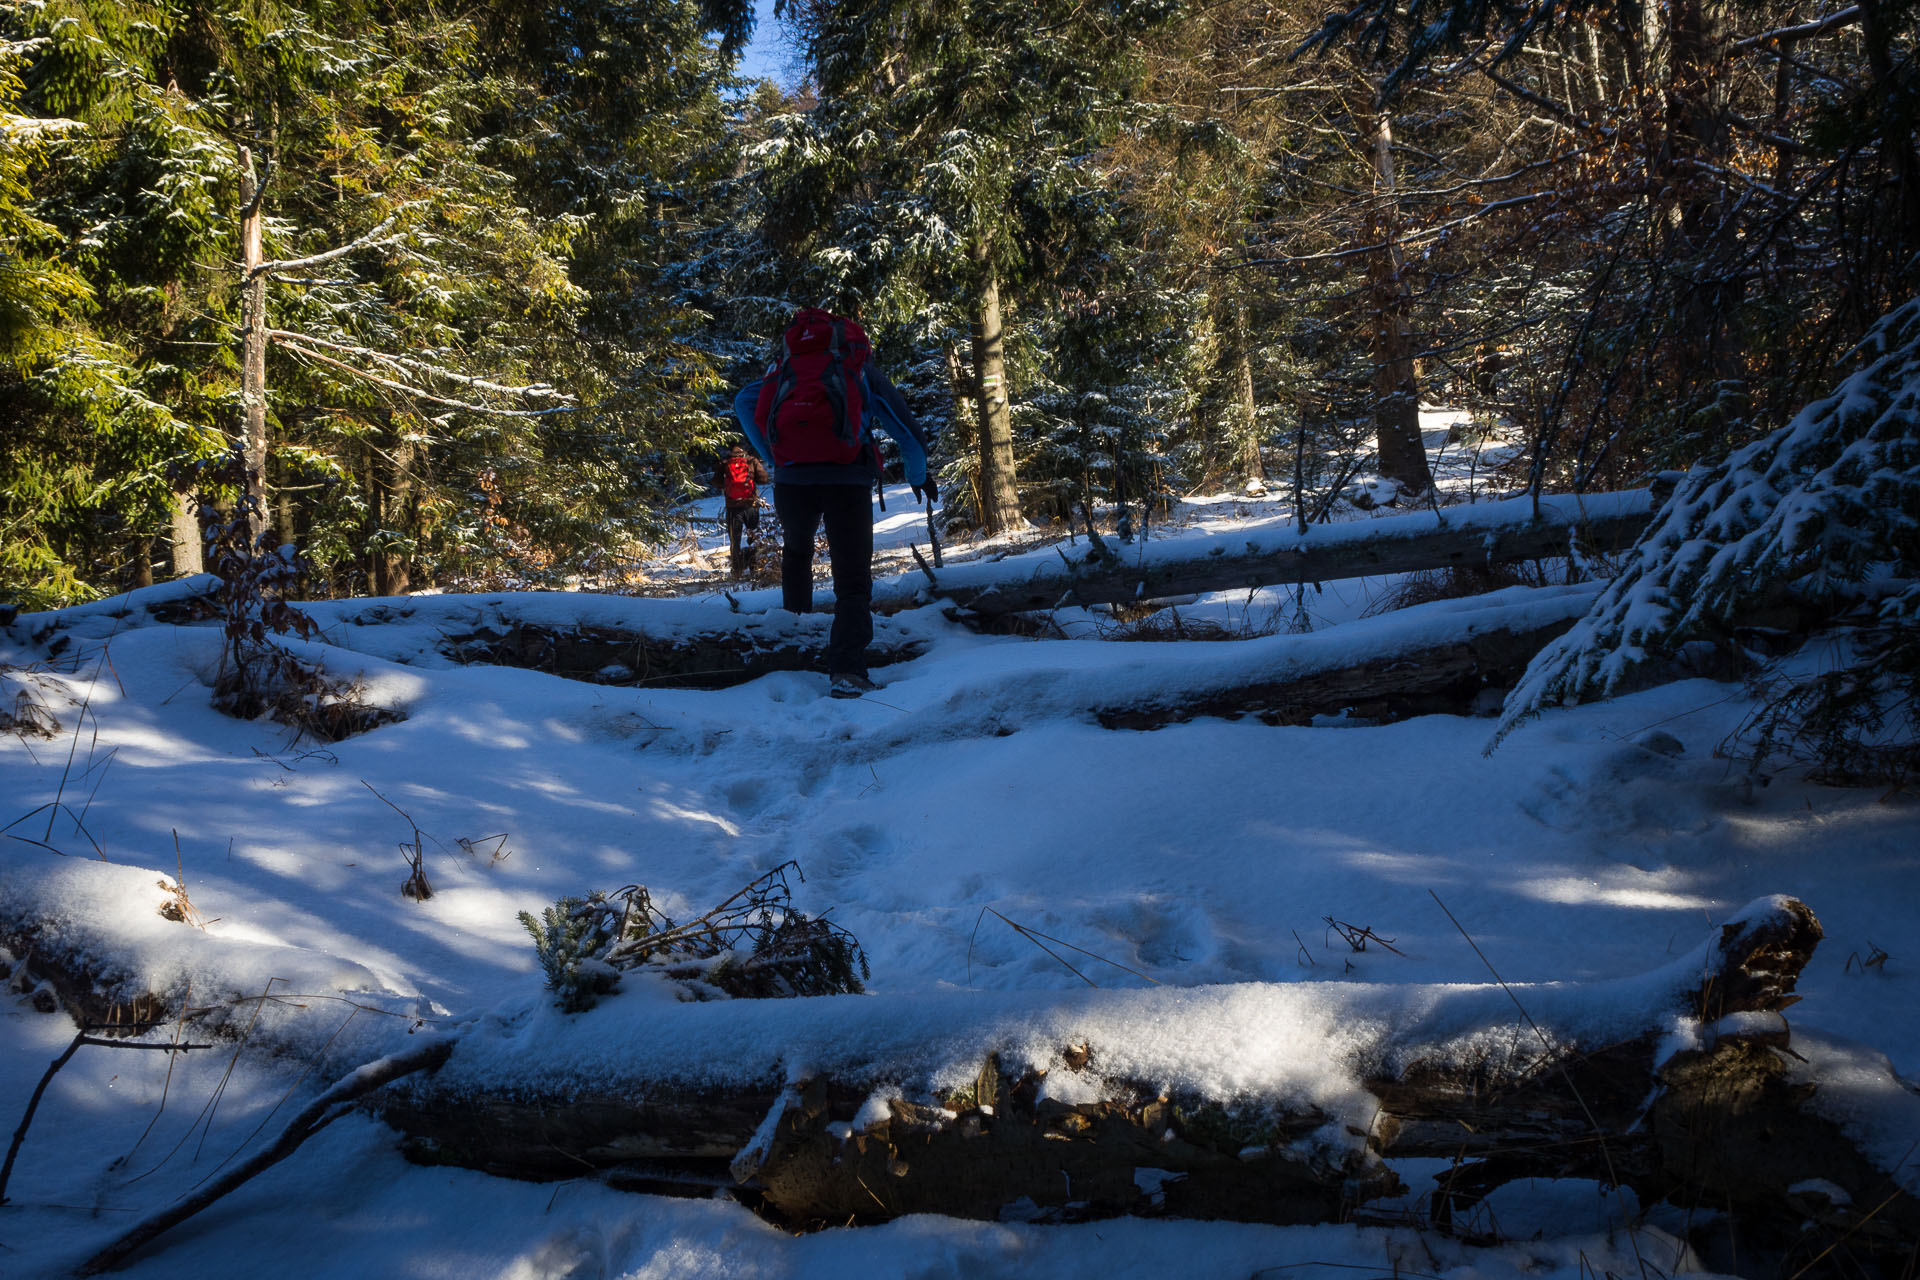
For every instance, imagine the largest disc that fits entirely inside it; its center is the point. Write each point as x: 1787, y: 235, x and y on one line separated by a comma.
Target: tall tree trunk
x: 189, y: 551
x: 253, y: 349
x: 392, y: 505
x: 1897, y: 126
x: 999, y: 499
x: 965, y: 410
x: 1696, y: 94
x: 1396, y: 407
x: 1246, y: 425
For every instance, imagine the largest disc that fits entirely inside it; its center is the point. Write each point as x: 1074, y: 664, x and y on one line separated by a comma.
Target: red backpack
x: 739, y: 486
x: 810, y: 406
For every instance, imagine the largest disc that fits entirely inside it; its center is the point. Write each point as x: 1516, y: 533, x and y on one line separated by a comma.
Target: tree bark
x: 999, y: 496
x: 1895, y: 109
x: 1721, y: 1122
x: 189, y: 547
x: 253, y: 340
x: 1396, y: 385
x: 1247, y: 423
x: 143, y: 561
x: 395, y: 501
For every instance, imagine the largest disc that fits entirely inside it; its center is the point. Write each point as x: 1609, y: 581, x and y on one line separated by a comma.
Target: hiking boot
x: 850, y: 685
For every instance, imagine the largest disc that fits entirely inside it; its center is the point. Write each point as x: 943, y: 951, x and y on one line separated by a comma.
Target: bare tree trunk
x: 999, y: 498
x: 143, y: 561
x: 1896, y: 112
x: 1252, y: 469
x: 965, y: 411
x: 402, y: 516
x: 1396, y: 410
x: 189, y: 551
x: 253, y: 349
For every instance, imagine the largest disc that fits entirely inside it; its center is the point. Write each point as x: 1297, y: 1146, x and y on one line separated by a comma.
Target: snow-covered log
x: 1456, y: 537
x: 1270, y: 1102
x: 1427, y: 674
x: 698, y: 660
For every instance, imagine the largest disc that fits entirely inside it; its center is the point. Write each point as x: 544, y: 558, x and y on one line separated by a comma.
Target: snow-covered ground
x: 1206, y: 853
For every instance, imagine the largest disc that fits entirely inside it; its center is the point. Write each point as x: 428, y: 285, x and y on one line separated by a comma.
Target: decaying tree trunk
x: 1464, y: 537
x: 1682, y: 1085
x: 1447, y: 677
x: 615, y: 655
x: 1687, y: 1124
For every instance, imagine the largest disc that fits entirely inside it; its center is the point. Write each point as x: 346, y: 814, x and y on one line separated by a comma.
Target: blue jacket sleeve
x: 743, y: 406
x: 891, y: 415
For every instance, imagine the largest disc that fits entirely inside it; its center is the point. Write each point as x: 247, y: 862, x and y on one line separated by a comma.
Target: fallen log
x: 1276, y: 1103
x: 627, y: 656
x: 1427, y: 677
x: 1457, y: 537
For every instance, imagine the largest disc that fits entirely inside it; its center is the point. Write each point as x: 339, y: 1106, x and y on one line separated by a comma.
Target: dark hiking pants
x: 741, y: 516
x: 847, y: 512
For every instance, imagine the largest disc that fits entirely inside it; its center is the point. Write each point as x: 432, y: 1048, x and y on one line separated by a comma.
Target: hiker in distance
x: 812, y: 415
x: 738, y: 478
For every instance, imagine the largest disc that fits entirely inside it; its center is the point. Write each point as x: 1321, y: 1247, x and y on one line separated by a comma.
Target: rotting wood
x: 1671, y: 1127
x: 615, y: 655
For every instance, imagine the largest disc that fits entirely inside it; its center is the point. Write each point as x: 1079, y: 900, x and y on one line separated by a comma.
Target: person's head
x: 738, y: 452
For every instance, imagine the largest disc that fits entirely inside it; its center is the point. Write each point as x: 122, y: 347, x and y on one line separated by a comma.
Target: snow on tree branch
x: 1837, y: 488
x: 293, y: 343
x: 409, y: 364
x: 375, y: 238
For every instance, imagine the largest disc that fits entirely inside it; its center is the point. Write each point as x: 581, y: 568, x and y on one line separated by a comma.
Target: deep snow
x: 1205, y: 853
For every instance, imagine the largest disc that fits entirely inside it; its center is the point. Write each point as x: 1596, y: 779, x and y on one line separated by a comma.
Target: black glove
x: 932, y: 490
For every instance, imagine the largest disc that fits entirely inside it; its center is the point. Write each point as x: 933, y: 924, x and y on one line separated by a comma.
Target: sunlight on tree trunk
x: 999, y: 499
x: 253, y: 350
x: 189, y: 551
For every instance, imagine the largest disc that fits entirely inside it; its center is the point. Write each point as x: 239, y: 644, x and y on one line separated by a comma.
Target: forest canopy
x: 469, y: 291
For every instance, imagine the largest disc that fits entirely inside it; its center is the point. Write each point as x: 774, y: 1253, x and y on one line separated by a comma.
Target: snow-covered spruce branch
x: 1837, y: 488
x: 411, y: 365
x: 293, y: 345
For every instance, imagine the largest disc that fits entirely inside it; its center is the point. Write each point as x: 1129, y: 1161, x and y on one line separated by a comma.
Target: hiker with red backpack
x: 738, y: 478
x: 812, y: 415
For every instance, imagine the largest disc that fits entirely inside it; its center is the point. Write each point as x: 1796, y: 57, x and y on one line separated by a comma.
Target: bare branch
x: 419, y: 366
x: 373, y: 239
x: 417, y: 392
x: 318, y: 1114
x: 1805, y: 31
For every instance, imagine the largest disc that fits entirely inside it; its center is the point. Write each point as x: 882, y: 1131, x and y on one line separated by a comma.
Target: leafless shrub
x: 1876, y: 960
x: 1455, y: 583
x: 1167, y: 624
x: 1357, y: 936
x: 27, y: 715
